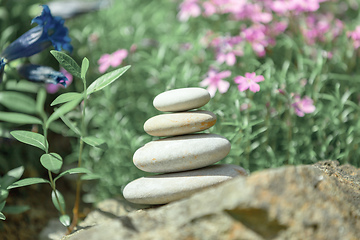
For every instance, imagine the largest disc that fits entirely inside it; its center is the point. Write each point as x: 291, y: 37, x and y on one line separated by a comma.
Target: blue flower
x: 50, y: 31
x: 42, y: 74
x: 2, y: 65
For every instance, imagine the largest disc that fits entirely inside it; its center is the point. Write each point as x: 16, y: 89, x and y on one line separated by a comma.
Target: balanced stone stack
x: 184, y: 157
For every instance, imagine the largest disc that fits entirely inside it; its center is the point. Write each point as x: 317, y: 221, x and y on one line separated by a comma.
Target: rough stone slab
x: 303, y: 202
x: 181, y: 99
x: 172, y: 124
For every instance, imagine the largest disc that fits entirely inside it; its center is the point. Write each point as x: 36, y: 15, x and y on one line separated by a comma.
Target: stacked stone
x: 184, y: 157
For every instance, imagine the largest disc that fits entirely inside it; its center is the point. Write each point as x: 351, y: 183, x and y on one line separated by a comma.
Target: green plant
x: 5, y: 181
x: 53, y: 161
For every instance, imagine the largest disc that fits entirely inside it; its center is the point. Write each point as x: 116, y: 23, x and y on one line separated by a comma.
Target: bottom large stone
x: 165, y: 188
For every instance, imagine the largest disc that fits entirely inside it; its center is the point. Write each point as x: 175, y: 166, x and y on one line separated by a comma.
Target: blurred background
x: 171, y: 45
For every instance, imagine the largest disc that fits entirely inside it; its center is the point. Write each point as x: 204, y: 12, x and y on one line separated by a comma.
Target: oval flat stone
x: 181, y: 153
x: 181, y: 99
x: 165, y: 188
x: 173, y: 124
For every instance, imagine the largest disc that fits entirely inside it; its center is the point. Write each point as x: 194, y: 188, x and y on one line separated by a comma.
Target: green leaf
x: 67, y: 62
x: 15, y: 172
x: 23, y: 86
x: 52, y: 162
x: 19, y: 118
x: 61, y: 200
x: 106, y: 79
x: 95, y: 142
x: 16, y: 209
x: 84, y: 68
x: 2, y: 216
x: 40, y: 100
x: 72, y: 171
x: 3, y: 195
x: 65, y: 220
x: 31, y: 138
x: 70, y: 125
x: 66, y: 97
x: 2, y: 205
x: 27, y: 181
x: 11, y: 176
x: 67, y: 107
x: 18, y: 102
x: 90, y: 176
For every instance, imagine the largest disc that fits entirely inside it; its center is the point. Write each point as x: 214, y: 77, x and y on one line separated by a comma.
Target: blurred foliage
x: 167, y: 54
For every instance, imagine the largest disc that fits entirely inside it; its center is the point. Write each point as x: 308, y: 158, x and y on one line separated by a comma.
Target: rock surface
x: 165, y: 188
x: 181, y: 153
x: 181, y: 99
x: 320, y: 201
x: 172, y: 124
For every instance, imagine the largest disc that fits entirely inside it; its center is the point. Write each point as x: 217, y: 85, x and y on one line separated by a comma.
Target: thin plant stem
x: 52, y: 182
x: 78, y: 180
x: 45, y: 138
x: 248, y: 131
x: 53, y: 186
x: 267, y: 133
x: 289, y: 138
x: 77, y: 196
x: 248, y: 142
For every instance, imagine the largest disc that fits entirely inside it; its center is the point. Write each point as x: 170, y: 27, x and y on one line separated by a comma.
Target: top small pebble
x: 181, y: 99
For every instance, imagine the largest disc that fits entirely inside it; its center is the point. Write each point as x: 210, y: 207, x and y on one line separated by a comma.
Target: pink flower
x: 53, y: 88
x: 315, y: 29
x: 238, y: 10
x: 355, y: 36
x: 281, y: 91
x: 279, y: 7
x: 215, y: 82
x: 249, y: 82
x: 257, y: 36
x: 228, y: 57
x: 245, y: 106
x: 302, y: 106
x: 305, y: 5
x: 114, y: 60
x: 280, y: 27
x: 230, y: 6
x: 322, y: 28
x: 209, y: 8
x: 253, y: 12
x: 327, y: 54
x: 227, y: 48
x: 297, y: 6
x: 133, y: 48
x: 93, y: 38
x: 261, y: 36
x: 189, y: 8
